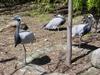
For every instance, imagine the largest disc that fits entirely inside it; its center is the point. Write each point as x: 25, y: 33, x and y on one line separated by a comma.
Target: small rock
x: 95, y: 58
x: 45, y: 39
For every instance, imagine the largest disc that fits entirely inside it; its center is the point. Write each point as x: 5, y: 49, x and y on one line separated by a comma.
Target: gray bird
x: 22, y: 36
x: 82, y: 29
x: 55, y: 22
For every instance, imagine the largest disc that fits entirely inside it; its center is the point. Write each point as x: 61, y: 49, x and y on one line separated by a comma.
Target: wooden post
x: 69, y: 34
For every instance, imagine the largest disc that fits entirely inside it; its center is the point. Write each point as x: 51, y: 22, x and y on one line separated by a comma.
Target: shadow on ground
x: 86, y: 46
x: 60, y: 29
x: 91, y: 48
x: 41, y: 61
x: 7, y: 60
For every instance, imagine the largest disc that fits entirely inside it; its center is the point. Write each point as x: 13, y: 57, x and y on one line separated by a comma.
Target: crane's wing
x: 54, y: 23
x: 78, y: 29
x: 27, y: 37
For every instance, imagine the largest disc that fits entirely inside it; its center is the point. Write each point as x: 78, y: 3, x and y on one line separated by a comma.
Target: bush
x: 38, y: 5
x: 94, y: 4
x: 77, y: 4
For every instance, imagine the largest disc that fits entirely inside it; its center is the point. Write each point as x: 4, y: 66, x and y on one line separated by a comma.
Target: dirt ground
x: 9, y: 55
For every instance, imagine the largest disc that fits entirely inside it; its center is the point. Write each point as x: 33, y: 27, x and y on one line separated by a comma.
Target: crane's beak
x: 13, y: 18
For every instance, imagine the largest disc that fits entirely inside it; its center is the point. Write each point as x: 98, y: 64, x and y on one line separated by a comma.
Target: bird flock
x: 23, y: 36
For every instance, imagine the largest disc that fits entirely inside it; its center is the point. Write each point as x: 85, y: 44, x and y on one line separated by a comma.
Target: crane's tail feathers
x: 44, y: 26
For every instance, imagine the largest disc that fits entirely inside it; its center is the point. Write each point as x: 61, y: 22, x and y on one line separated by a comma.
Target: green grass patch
x: 77, y: 19
x: 39, y: 17
x: 43, y: 18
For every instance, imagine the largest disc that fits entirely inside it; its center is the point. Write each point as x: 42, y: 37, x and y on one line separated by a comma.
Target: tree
x: 69, y: 34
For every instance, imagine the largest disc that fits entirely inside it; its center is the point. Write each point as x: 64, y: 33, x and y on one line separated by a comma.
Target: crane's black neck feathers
x: 87, y: 28
x: 17, y: 36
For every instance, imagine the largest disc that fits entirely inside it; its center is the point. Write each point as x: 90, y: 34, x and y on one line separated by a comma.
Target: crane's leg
x: 24, y: 53
x: 80, y: 41
x: 58, y: 29
x: 96, y: 28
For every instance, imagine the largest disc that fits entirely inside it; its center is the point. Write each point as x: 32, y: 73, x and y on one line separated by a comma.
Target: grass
x: 42, y: 18
x: 77, y: 19
x: 39, y: 17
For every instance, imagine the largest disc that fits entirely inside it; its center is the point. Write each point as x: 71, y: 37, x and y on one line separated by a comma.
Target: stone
x: 95, y: 58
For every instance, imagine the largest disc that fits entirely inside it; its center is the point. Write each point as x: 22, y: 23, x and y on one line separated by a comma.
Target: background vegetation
x: 42, y: 6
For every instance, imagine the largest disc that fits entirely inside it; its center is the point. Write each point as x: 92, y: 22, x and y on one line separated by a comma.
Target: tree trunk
x: 69, y: 34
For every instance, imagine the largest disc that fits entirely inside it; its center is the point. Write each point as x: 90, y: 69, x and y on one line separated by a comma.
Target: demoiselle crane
x: 82, y: 29
x: 57, y: 21
x: 22, y: 36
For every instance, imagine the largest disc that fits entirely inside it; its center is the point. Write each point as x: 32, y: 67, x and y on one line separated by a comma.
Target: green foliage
x: 77, y: 4
x: 39, y: 6
x: 45, y: 6
x: 94, y: 3
x: 91, y: 3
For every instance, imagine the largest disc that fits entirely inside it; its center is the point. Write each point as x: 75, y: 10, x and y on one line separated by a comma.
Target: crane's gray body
x: 22, y: 36
x: 55, y: 22
x: 77, y: 30
x: 82, y: 29
x: 26, y: 37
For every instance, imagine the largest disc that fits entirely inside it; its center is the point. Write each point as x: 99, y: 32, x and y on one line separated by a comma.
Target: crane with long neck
x: 17, y: 36
x: 82, y: 29
x: 22, y: 36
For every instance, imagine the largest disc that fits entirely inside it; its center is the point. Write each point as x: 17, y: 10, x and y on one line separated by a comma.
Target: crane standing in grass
x: 82, y: 29
x: 55, y: 22
x: 22, y: 36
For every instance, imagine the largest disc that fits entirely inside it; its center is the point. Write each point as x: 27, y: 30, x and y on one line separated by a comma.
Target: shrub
x: 77, y: 4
